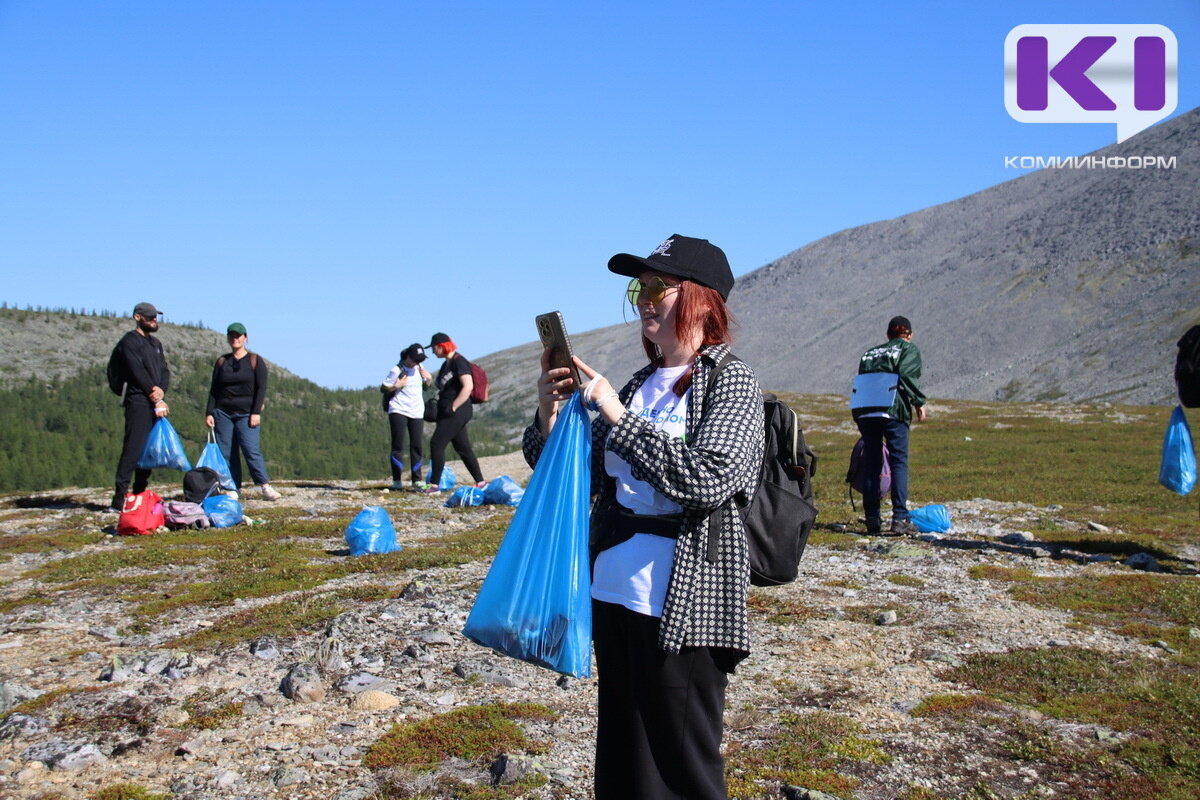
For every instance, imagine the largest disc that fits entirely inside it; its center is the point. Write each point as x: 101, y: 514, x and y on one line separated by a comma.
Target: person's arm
x: 462, y: 368
x: 908, y: 367
x: 260, y: 387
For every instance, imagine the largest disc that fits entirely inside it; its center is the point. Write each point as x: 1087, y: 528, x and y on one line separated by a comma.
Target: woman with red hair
x: 670, y: 452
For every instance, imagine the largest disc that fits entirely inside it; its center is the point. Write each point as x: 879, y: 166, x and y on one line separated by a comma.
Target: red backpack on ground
x: 142, y: 515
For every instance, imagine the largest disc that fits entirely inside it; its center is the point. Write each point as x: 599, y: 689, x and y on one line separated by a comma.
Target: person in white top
x: 406, y: 413
x: 669, y: 590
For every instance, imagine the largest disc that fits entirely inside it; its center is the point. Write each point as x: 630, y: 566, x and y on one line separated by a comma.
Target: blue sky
x: 349, y: 177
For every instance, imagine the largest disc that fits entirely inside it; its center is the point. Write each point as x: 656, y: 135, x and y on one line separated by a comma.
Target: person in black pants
x: 454, y: 384
x: 143, y: 368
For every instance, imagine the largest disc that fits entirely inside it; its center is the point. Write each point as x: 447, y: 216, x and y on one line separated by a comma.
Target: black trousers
x: 660, y: 714
x: 139, y: 419
x: 414, y: 430
x: 453, y: 430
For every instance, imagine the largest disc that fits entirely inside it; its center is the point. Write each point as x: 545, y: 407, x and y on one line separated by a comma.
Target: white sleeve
x: 392, y: 376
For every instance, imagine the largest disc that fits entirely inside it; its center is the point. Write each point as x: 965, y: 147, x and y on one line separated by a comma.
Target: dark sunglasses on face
x: 653, y: 290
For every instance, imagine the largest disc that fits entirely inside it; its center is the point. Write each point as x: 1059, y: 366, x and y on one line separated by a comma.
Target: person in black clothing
x: 454, y: 384
x: 144, y: 370
x: 235, y: 403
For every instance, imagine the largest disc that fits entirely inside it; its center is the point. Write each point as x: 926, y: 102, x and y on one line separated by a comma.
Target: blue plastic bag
x: 222, y: 510
x: 214, y: 459
x: 1178, y: 469
x: 449, y: 479
x: 465, y: 496
x: 164, y: 449
x: 931, y: 519
x: 503, y: 491
x: 371, y: 532
x: 535, y: 603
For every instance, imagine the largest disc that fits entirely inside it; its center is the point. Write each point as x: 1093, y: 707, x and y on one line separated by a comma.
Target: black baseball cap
x: 146, y: 310
x: 414, y: 351
x: 438, y: 338
x: 899, y: 324
x: 697, y: 260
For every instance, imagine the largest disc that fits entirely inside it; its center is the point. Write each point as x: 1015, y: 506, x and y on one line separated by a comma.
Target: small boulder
x: 303, y: 684
x: 374, y: 700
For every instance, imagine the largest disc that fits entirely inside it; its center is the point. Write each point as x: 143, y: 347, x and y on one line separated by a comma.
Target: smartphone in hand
x: 553, y: 334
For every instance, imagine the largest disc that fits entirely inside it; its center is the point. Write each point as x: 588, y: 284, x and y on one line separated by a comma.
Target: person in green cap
x: 235, y: 403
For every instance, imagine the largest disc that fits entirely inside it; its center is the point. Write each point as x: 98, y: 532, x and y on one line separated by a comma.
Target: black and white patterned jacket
x: 720, y: 456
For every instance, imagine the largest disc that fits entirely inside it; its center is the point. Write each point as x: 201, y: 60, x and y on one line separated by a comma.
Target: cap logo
x: 662, y: 249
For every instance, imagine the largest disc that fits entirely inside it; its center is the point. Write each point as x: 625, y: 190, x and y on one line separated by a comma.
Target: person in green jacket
x: 886, y: 392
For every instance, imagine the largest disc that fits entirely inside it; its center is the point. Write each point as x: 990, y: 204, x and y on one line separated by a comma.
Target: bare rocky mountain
x: 1065, y: 284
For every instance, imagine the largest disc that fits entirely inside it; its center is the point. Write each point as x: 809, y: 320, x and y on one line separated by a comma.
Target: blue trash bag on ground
x: 449, y: 479
x: 465, y: 496
x: 503, y: 491
x: 164, y: 449
x: 371, y: 532
x: 222, y: 510
x: 214, y: 459
x: 1178, y: 469
x: 931, y: 519
x: 535, y: 603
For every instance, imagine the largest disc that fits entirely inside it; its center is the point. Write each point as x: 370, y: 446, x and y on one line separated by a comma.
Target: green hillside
x: 61, y: 426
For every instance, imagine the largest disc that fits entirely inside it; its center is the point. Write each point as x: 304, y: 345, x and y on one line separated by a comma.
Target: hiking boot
x: 873, y: 527
x: 903, y: 527
x: 269, y: 493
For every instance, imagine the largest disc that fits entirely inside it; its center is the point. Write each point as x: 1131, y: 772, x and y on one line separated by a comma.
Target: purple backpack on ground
x: 181, y: 514
x: 856, y: 476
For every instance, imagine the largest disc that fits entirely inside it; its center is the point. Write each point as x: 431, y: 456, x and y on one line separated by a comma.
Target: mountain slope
x: 1069, y: 284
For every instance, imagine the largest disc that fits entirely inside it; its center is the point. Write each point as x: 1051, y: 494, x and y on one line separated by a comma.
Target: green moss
x: 956, y: 705
x: 473, y: 733
x: 805, y: 750
x: 128, y: 791
x: 905, y: 580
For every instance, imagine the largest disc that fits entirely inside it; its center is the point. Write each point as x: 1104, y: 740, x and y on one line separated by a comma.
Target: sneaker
x: 269, y: 493
x: 903, y: 527
x: 232, y: 495
x: 481, y: 485
x: 397, y: 485
x: 419, y: 486
x: 430, y: 490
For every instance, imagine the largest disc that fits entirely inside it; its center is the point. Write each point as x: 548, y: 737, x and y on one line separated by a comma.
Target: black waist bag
x: 199, y: 483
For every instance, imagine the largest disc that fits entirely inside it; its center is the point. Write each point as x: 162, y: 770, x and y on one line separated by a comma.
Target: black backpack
x: 780, y: 515
x: 1187, y: 368
x: 115, y: 373
x: 199, y: 483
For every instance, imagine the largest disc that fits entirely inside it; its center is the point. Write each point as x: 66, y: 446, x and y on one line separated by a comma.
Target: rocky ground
x: 302, y: 733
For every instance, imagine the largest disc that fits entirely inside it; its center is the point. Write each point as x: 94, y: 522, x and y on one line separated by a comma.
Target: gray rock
x: 1143, y: 561
x: 327, y: 752
x: 91, y: 655
x: 1194, y: 633
x: 108, y: 633
x: 156, y: 665
x: 886, y: 618
x: 368, y: 660
x: 264, y: 647
x: 77, y: 757
x: 45, y: 752
x: 19, y: 726
x: 800, y: 793
x: 288, y: 776
x: 1107, y: 735
x: 1040, y: 552
x: 1161, y: 645
x: 1096, y: 526
x: 329, y: 654
x: 485, y: 671
x: 417, y: 590
x: 1100, y: 558
x: 359, y: 682
x: 929, y: 537
x: 433, y: 636
x: 1017, y: 537
x: 511, y: 768
x: 303, y: 684
x: 357, y: 793
x: 392, y: 611
x: 13, y: 694
x: 419, y: 653
x: 116, y: 671
x: 226, y: 779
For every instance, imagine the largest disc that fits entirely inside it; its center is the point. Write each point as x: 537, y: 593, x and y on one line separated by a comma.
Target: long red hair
x: 697, y: 308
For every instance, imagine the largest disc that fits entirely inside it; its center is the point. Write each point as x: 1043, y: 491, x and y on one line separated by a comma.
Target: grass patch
x: 867, y: 614
x: 208, y: 713
x: 128, y: 791
x: 1156, y: 700
x: 906, y: 580
x: 65, y: 540
x: 841, y: 583
x: 956, y: 705
x: 778, y: 610
x: 473, y: 733
x: 284, y: 618
x: 806, y: 750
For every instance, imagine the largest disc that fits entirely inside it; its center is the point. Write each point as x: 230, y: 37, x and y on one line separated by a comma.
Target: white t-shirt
x: 635, y: 573
x: 408, y: 401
